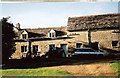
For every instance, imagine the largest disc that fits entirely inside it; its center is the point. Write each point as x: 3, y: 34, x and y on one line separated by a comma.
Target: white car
x: 87, y: 51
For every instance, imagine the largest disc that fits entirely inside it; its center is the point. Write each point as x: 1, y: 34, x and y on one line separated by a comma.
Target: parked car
x: 55, y: 53
x: 106, y: 53
x: 86, y: 51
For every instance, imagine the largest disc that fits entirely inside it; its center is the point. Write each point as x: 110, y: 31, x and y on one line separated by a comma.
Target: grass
x: 34, y: 72
x: 116, y: 66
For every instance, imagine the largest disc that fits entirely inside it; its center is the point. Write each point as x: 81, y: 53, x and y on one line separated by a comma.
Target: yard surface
x: 34, y: 72
x: 65, y: 67
x: 98, y: 69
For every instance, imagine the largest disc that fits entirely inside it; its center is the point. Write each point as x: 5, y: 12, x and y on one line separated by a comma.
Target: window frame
x: 24, y: 36
x: 24, y: 48
x: 52, y: 34
x: 35, y: 48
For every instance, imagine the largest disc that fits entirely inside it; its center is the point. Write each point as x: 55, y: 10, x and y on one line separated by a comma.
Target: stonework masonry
x: 86, y: 30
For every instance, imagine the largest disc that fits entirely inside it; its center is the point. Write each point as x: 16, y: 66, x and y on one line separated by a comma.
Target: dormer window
x: 24, y: 36
x: 52, y: 33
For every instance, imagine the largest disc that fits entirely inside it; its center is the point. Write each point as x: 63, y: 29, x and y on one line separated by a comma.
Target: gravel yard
x: 100, y: 69
x: 74, y: 66
x: 88, y: 67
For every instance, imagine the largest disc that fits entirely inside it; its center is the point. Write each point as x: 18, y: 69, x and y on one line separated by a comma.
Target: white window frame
x: 52, y: 33
x: 24, y: 36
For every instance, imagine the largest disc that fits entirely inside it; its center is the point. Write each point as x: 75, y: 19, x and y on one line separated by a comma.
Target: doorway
x: 64, y: 47
x: 78, y: 45
x: 94, y: 45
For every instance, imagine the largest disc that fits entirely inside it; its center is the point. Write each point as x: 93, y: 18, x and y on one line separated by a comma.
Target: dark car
x: 55, y: 53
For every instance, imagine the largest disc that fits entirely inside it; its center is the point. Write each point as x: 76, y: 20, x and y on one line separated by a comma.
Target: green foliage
x: 7, y: 39
x: 34, y: 72
x: 116, y: 66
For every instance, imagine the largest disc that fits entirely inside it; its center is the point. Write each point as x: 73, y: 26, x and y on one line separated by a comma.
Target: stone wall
x: 101, y: 29
x: 105, y: 38
x: 44, y: 45
x: 79, y: 36
x: 18, y: 54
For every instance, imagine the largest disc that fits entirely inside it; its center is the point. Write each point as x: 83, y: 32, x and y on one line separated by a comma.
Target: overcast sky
x: 51, y: 14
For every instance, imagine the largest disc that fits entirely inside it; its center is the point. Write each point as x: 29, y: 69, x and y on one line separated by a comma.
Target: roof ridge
x: 94, y: 15
x: 46, y: 27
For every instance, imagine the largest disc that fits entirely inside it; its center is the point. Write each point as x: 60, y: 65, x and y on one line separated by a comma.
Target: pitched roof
x: 42, y: 32
x: 46, y: 30
x: 94, y: 22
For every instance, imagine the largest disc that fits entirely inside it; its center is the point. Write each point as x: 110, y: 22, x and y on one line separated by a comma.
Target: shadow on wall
x: 109, y: 50
x: 60, y: 33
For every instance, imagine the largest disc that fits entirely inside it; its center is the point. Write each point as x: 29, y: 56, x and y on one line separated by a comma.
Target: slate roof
x: 94, y: 22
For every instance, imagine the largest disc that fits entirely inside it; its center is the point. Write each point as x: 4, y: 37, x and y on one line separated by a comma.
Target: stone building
x: 96, y: 31
x: 38, y: 41
x: 99, y: 31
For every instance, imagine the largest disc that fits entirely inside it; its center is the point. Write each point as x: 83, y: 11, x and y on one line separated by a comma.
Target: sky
x: 52, y: 14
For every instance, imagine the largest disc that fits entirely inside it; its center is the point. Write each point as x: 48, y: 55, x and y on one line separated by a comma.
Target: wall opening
x: 35, y: 49
x: 51, y: 46
x: 114, y: 43
x: 24, y: 36
x: 23, y: 48
x: 78, y: 45
x: 94, y: 46
x: 64, y: 47
x: 24, y: 51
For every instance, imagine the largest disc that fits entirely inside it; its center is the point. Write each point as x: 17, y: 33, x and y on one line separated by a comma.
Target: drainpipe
x: 29, y: 48
x: 89, y: 37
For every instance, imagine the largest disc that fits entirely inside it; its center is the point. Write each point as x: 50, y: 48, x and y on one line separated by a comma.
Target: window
x: 24, y: 36
x: 78, y: 45
x: 52, y: 33
x: 35, y: 48
x: 23, y: 48
x: 52, y: 46
x: 114, y: 43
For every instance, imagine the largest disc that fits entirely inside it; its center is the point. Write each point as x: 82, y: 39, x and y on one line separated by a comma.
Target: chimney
x: 18, y: 26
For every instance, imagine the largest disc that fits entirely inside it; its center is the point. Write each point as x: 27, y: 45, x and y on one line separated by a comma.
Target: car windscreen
x: 84, y: 50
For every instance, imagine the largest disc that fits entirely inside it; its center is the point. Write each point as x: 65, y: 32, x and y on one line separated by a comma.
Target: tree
x: 8, y: 36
